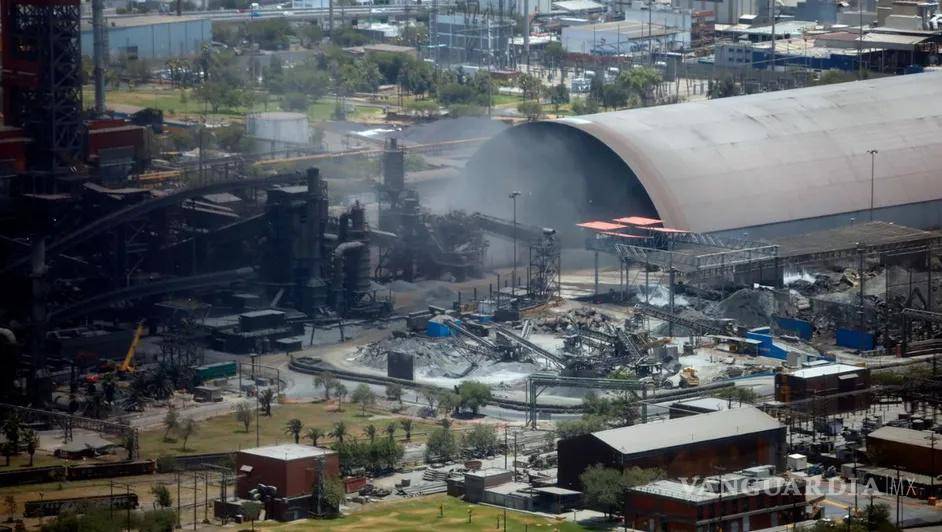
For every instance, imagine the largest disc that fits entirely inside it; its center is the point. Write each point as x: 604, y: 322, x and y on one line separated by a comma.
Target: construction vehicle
x: 127, y: 365
x: 689, y: 378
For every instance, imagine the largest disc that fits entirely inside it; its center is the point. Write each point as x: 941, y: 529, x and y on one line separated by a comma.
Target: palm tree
x: 340, y: 430
x: 407, y: 427
x: 293, y: 427
x: 314, y: 434
x: 32, y: 444
x: 370, y: 432
x: 391, y: 430
x: 266, y: 398
x: 340, y: 391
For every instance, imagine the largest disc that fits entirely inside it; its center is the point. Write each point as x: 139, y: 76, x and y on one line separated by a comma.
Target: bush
x: 295, y: 101
x: 167, y: 464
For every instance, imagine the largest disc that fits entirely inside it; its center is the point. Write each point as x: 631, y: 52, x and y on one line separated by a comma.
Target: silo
x: 278, y: 133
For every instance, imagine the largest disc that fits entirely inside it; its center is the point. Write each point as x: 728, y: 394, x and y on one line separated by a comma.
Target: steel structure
x: 537, y: 383
x: 42, y: 81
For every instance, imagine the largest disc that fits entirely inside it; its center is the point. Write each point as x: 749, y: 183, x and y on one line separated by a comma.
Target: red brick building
x: 292, y: 469
x: 826, y: 389
x: 694, y: 445
x: 751, y: 499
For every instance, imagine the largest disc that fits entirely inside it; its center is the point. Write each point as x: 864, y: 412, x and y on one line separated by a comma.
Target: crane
x: 126, y: 366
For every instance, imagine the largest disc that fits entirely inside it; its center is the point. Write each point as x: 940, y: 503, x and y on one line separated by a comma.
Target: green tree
x: 341, y: 392
x: 394, y: 392
x: 530, y: 85
x: 441, y: 445
x: 327, y: 381
x: 334, y: 494
x: 474, y: 395
x: 740, y: 394
x: 391, y: 430
x: 448, y: 403
x: 407, y: 425
x: 603, y: 488
x: 578, y: 427
x: 188, y: 428
x: 558, y: 95
x: 363, y: 396
x: 8, y: 449
x: 293, y: 428
x: 553, y: 54
x: 640, y: 82
x: 295, y: 101
x: 32, y: 444
x: 722, y: 88
x: 482, y: 439
x: 314, y: 434
x: 530, y: 109
x: 161, y: 496
x: 244, y: 414
x: 583, y: 106
x: 218, y: 95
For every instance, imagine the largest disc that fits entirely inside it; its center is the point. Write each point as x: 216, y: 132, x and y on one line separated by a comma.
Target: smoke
x: 564, y: 177
x: 800, y: 275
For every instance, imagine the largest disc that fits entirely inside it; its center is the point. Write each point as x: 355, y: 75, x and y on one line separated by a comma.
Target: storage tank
x: 278, y: 133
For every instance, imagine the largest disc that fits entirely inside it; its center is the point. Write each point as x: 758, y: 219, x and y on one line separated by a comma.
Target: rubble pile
x: 435, y: 358
x: 580, y: 318
x: 749, y: 307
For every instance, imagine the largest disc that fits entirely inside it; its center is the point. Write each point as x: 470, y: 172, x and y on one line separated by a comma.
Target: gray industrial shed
x: 764, y: 164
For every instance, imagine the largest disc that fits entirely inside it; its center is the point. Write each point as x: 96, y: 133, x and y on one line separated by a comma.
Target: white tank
x: 278, y: 133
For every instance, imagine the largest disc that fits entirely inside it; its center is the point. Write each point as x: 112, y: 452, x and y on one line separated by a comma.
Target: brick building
x: 809, y: 387
x: 293, y: 470
x: 751, y: 499
x: 915, y: 451
x: 695, y: 445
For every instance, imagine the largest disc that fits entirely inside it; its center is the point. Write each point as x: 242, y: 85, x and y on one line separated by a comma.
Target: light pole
x: 873, y: 162
x: 513, y: 281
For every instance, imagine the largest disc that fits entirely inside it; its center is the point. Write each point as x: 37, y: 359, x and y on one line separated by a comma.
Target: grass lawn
x: 224, y: 433
x: 423, y: 514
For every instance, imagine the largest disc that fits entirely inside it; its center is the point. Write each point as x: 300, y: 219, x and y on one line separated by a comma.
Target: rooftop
x: 733, y: 484
x: 487, y: 472
x: 705, y: 403
x: 288, y: 451
x: 260, y: 313
x: 687, y: 430
x: 921, y: 438
x: 578, y: 5
x: 820, y: 371
x: 146, y: 20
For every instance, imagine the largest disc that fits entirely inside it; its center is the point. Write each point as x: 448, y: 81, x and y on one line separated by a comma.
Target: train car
x: 54, y: 507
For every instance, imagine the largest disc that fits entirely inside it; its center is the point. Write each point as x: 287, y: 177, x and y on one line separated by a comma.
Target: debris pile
x: 441, y: 358
x: 580, y: 318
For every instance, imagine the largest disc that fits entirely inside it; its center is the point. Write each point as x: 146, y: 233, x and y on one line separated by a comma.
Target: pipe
x: 98, y: 56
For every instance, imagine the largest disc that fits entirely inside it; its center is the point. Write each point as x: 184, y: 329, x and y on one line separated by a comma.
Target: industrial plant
x: 411, y: 266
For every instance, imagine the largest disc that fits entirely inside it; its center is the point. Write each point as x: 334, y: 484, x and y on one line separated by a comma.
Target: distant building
x: 292, y: 470
x: 474, y: 40
x: 622, y: 37
x: 702, y: 405
x: 825, y: 389
x: 915, y: 451
x: 750, y: 499
x: 694, y: 445
x: 727, y: 12
x: 152, y: 36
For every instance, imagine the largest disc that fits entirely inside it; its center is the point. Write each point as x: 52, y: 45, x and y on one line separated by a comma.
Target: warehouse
x: 153, y: 36
x: 915, y: 451
x: 751, y: 499
x: 837, y: 381
x: 292, y: 470
x: 694, y: 445
x: 769, y: 164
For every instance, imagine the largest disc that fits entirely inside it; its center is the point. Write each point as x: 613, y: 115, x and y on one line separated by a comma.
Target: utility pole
x: 513, y: 196
x: 873, y: 163
x: 860, y: 41
x: 772, y: 15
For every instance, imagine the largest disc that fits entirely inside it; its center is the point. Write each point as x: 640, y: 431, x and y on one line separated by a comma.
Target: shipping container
x: 219, y: 370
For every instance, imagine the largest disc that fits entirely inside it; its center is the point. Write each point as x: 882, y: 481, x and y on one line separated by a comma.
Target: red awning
x: 638, y: 220
x: 599, y: 225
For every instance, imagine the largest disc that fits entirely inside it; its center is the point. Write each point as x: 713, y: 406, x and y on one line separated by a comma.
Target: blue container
x: 799, y: 328
x: 437, y: 329
x: 854, y: 339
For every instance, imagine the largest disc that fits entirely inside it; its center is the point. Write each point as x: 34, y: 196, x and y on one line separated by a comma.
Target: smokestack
x: 98, y: 45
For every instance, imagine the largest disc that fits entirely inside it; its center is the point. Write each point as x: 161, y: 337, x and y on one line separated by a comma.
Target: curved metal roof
x: 781, y: 156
